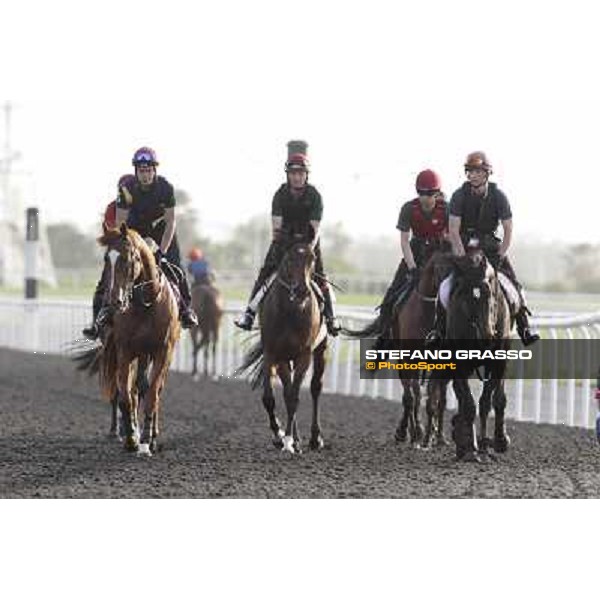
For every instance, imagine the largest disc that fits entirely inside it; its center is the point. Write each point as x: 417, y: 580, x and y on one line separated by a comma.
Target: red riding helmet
x: 428, y: 181
x: 144, y: 156
x: 297, y: 162
x: 110, y: 216
x: 195, y: 254
x: 478, y: 160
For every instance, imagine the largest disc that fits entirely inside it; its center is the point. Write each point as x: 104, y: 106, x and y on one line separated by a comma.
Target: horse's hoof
x: 501, y: 444
x: 441, y: 441
x: 484, y: 444
x: 471, y: 457
x: 297, y: 448
x: 144, y: 450
x: 131, y: 445
x: 112, y: 435
x: 400, y: 436
x: 316, y: 444
x: 154, y: 447
x: 288, y: 444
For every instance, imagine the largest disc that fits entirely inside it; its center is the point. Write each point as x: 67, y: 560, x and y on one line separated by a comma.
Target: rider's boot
x: 331, y: 320
x: 246, y: 320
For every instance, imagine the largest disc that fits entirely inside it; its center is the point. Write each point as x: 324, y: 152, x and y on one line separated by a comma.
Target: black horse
x: 478, y: 317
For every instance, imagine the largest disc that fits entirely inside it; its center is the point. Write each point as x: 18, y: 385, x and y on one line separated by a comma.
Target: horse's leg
x: 291, y: 393
x: 407, y: 403
x: 194, y: 334
x: 160, y: 365
x: 127, y: 401
x: 485, y: 406
x: 464, y: 422
x: 431, y: 404
x: 215, y: 339
x: 206, y: 350
x: 268, y: 400
x: 442, y: 390
x: 416, y: 433
x: 501, y: 439
x: 113, y: 433
x: 316, y: 385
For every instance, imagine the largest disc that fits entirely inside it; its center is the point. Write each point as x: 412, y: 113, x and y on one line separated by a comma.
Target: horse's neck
x: 427, y: 287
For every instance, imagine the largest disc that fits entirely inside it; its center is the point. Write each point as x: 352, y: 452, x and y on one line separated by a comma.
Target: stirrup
x: 92, y: 332
x: 333, y: 326
x: 246, y: 321
x: 188, y: 318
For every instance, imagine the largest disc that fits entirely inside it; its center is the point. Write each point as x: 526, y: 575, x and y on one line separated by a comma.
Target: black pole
x: 32, y: 236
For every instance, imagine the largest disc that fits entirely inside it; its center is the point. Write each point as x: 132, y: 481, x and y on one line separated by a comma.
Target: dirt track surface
x: 216, y: 443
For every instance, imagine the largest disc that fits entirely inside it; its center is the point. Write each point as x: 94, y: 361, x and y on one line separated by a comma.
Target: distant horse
x: 292, y: 332
x: 144, y: 330
x: 479, y: 314
x: 412, y: 322
x: 207, y: 302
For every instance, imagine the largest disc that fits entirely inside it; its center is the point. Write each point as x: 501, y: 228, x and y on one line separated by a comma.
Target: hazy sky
x: 380, y: 90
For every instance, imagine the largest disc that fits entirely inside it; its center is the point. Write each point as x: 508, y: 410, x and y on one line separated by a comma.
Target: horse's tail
x: 100, y: 360
x: 373, y: 329
x: 253, y: 364
x: 108, y: 370
x: 89, y: 360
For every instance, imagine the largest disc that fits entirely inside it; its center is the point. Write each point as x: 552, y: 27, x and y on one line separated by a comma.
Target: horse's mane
x: 114, y: 237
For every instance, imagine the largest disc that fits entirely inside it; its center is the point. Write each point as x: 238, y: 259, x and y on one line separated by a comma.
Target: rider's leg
x: 526, y: 333
x: 99, y: 311
x: 438, y: 332
x: 331, y: 320
x: 261, y: 285
x: 187, y: 316
x: 389, y: 300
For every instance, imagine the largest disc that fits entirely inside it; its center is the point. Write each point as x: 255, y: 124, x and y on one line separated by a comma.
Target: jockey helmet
x: 144, y: 156
x: 124, y: 180
x: 195, y: 254
x: 297, y: 162
x: 478, y: 160
x: 428, y: 181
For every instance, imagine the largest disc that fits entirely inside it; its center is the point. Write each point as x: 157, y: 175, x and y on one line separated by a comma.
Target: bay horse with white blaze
x: 292, y: 332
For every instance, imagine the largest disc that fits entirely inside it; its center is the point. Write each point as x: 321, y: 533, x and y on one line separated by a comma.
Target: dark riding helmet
x: 297, y: 162
x: 144, y: 156
x: 428, y: 181
x: 478, y: 160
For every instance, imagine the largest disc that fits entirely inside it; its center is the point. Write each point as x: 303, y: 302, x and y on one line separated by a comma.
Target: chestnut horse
x: 207, y: 302
x: 292, y: 332
x: 144, y: 330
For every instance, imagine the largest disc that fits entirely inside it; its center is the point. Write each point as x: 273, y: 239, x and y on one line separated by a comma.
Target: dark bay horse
x: 207, y: 302
x: 291, y: 334
x: 411, y: 323
x: 144, y: 331
x: 412, y: 320
x: 478, y: 315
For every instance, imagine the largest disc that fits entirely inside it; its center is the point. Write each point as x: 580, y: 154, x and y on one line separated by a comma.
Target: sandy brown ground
x: 216, y: 443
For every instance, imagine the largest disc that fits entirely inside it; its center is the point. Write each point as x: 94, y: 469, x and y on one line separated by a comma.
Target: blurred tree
x: 584, y: 267
x: 335, y: 245
x: 70, y: 248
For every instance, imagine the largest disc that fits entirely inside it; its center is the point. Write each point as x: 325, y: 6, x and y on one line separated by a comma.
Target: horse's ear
x: 123, y: 229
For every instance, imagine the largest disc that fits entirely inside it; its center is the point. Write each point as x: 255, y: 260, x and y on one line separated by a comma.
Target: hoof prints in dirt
x: 215, y: 442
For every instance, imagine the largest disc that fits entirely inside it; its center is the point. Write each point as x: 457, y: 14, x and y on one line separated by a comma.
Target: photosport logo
x: 547, y: 359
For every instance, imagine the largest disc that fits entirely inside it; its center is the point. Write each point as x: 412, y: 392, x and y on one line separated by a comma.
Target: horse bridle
x: 291, y: 289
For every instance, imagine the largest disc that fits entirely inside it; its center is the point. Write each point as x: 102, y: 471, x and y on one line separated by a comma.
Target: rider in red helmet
x: 423, y: 225
x: 109, y: 221
x: 296, y: 210
x: 477, y: 209
x: 198, y: 267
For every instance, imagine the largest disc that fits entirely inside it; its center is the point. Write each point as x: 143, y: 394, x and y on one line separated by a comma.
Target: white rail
x: 51, y: 326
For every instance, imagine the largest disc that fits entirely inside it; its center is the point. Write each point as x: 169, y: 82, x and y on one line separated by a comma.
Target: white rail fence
x: 51, y: 327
